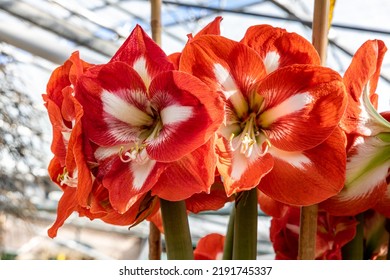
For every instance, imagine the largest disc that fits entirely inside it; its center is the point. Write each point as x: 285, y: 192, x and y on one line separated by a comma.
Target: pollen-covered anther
x: 65, y: 179
x: 247, y: 145
x: 134, y: 154
x: 265, y: 146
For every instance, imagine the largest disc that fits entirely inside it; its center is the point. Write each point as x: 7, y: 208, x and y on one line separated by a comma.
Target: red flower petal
x: 278, y: 48
x: 66, y: 206
x: 240, y: 173
x: 192, y: 174
x: 308, y: 177
x: 126, y: 182
x: 211, y: 28
x: 300, y: 100
x: 270, y: 206
x: 175, y: 59
x: 61, y: 133
x: 156, y: 219
x: 141, y: 53
x: 212, y: 201
x: 364, y: 70
x: 383, y: 205
x: 210, y: 247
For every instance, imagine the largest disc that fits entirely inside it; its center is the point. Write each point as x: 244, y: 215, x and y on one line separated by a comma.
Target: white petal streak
x: 141, y: 68
x: 141, y: 172
x: 124, y: 111
x: 271, y: 61
x: 225, y: 80
x: 296, y: 159
x: 362, y: 174
x: 240, y: 163
x: 230, y: 89
x: 291, y: 105
x: 174, y: 114
x: 365, y: 185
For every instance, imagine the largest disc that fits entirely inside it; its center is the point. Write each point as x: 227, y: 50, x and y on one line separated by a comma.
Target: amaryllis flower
x: 368, y: 155
x: 273, y: 122
x: 70, y: 166
x: 143, y: 116
x: 332, y: 234
x: 73, y: 164
x: 210, y: 247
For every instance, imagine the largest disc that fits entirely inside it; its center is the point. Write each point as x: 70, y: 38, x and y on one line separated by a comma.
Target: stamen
x: 267, y: 146
x: 136, y: 153
x: 247, y: 145
x: 65, y: 179
x: 248, y: 138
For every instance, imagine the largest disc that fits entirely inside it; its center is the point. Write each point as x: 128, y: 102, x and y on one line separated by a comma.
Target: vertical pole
x: 155, y: 22
x: 308, y: 221
x: 154, y: 233
x: 320, y: 28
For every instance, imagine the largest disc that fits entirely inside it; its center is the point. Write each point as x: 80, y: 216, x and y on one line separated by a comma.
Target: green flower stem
x: 228, y: 246
x: 354, y: 250
x: 245, y: 226
x: 176, y: 230
x: 308, y: 232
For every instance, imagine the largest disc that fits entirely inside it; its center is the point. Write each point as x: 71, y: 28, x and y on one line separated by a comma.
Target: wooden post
x: 308, y: 222
x: 320, y: 28
x: 155, y: 22
x: 154, y: 233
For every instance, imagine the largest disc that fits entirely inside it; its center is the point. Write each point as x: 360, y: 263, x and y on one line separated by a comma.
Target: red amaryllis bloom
x: 144, y: 116
x: 70, y: 166
x: 368, y: 155
x: 270, y: 121
x: 332, y: 234
x: 210, y: 247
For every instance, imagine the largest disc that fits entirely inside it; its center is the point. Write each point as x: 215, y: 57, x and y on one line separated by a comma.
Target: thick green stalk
x: 354, y: 250
x: 228, y: 246
x: 245, y: 226
x: 176, y: 230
